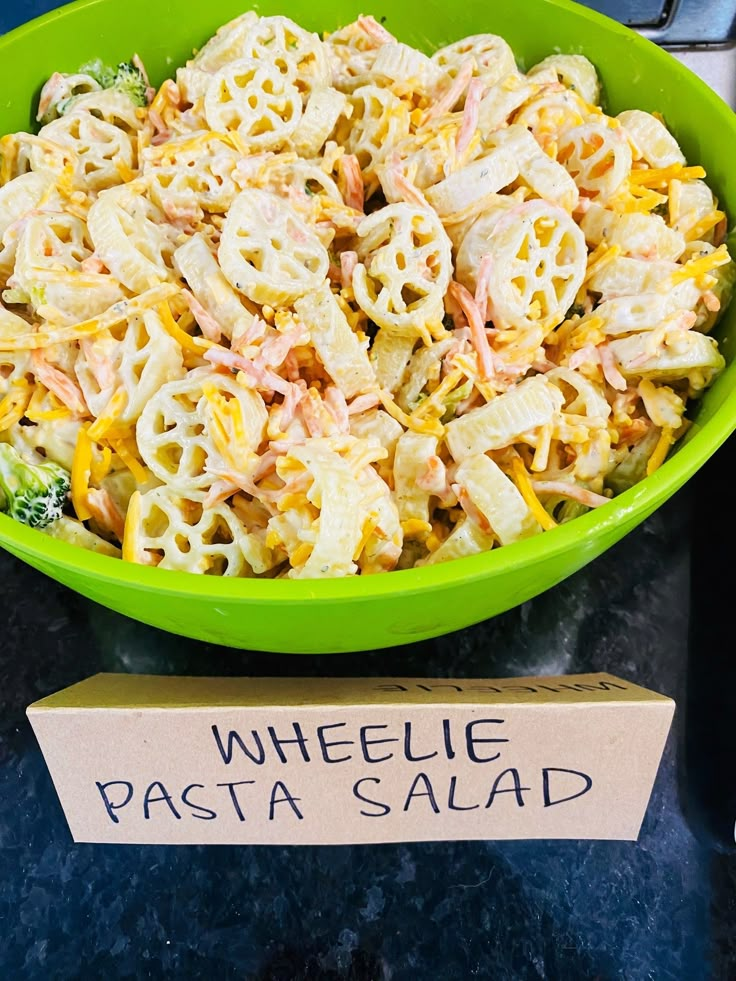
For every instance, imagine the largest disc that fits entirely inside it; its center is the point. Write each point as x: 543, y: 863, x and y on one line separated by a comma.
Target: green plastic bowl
x: 385, y: 610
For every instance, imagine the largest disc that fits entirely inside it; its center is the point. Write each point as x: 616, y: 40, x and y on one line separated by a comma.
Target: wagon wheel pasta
x: 597, y: 157
x: 186, y: 431
x: 256, y: 100
x: 405, y: 268
x: 267, y: 252
x: 336, y: 306
x: 490, y: 57
x: 131, y: 237
x: 175, y: 533
x: 537, y: 261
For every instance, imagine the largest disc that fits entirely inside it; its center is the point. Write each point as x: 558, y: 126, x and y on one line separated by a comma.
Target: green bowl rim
x: 638, y: 500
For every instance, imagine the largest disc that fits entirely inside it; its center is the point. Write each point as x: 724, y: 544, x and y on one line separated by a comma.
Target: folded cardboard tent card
x: 305, y: 761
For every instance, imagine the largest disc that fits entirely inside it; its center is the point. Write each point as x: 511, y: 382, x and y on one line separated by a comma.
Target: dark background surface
x: 661, y: 908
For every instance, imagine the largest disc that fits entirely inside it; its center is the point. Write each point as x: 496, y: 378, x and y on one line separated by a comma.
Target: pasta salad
x: 320, y: 307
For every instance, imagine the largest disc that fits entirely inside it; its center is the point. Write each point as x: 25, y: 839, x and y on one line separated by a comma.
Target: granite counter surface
x: 660, y: 909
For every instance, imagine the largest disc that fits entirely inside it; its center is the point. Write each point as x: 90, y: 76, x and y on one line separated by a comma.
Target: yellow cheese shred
x: 101, y: 465
x: 228, y: 428
x: 661, y: 176
x: 703, y: 226
x: 643, y: 199
x: 431, y: 427
x: 109, y: 415
x: 123, y: 310
x: 8, y: 157
x: 13, y: 407
x: 435, y: 402
x: 661, y: 450
x: 600, y: 257
x: 369, y: 526
x: 124, y: 170
x: 123, y: 449
x: 35, y: 413
x: 526, y: 489
x: 300, y: 554
x: 197, y: 345
x: 416, y: 528
x: 81, y: 472
x: 695, y: 268
x: 273, y: 539
x: 132, y: 525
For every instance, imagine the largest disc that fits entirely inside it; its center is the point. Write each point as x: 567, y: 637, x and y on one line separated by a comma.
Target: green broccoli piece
x: 31, y: 493
x: 125, y: 78
x: 103, y: 74
x: 130, y: 81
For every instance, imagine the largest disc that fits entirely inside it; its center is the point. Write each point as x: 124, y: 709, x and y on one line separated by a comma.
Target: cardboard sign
x: 309, y: 761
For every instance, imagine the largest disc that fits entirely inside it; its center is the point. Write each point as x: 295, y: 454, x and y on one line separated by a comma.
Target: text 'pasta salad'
x: 321, y: 307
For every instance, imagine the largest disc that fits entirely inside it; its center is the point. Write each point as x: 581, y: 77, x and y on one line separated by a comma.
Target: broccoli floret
x: 130, y: 81
x: 103, y: 74
x: 32, y: 493
x: 125, y: 78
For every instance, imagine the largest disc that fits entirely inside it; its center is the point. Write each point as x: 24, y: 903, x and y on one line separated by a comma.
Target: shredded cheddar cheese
x: 129, y: 458
x: 101, y: 464
x: 131, y: 532
x: 300, y: 554
x: 661, y: 450
x: 81, y: 472
x: 600, y: 257
x: 228, y: 429
x: 14, y: 404
x: 702, y: 227
x: 695, y: 268
x: 435, y: 402
x: 661, y: 176
x: 431, y: 427
x: 196, y: 345
x: 526, y: 489
x: 109, y: 415
x: 416, y: 528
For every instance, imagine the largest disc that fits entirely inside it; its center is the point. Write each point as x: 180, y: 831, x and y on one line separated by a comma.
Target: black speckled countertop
x: 662, y: 908
x: 659, y: 909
